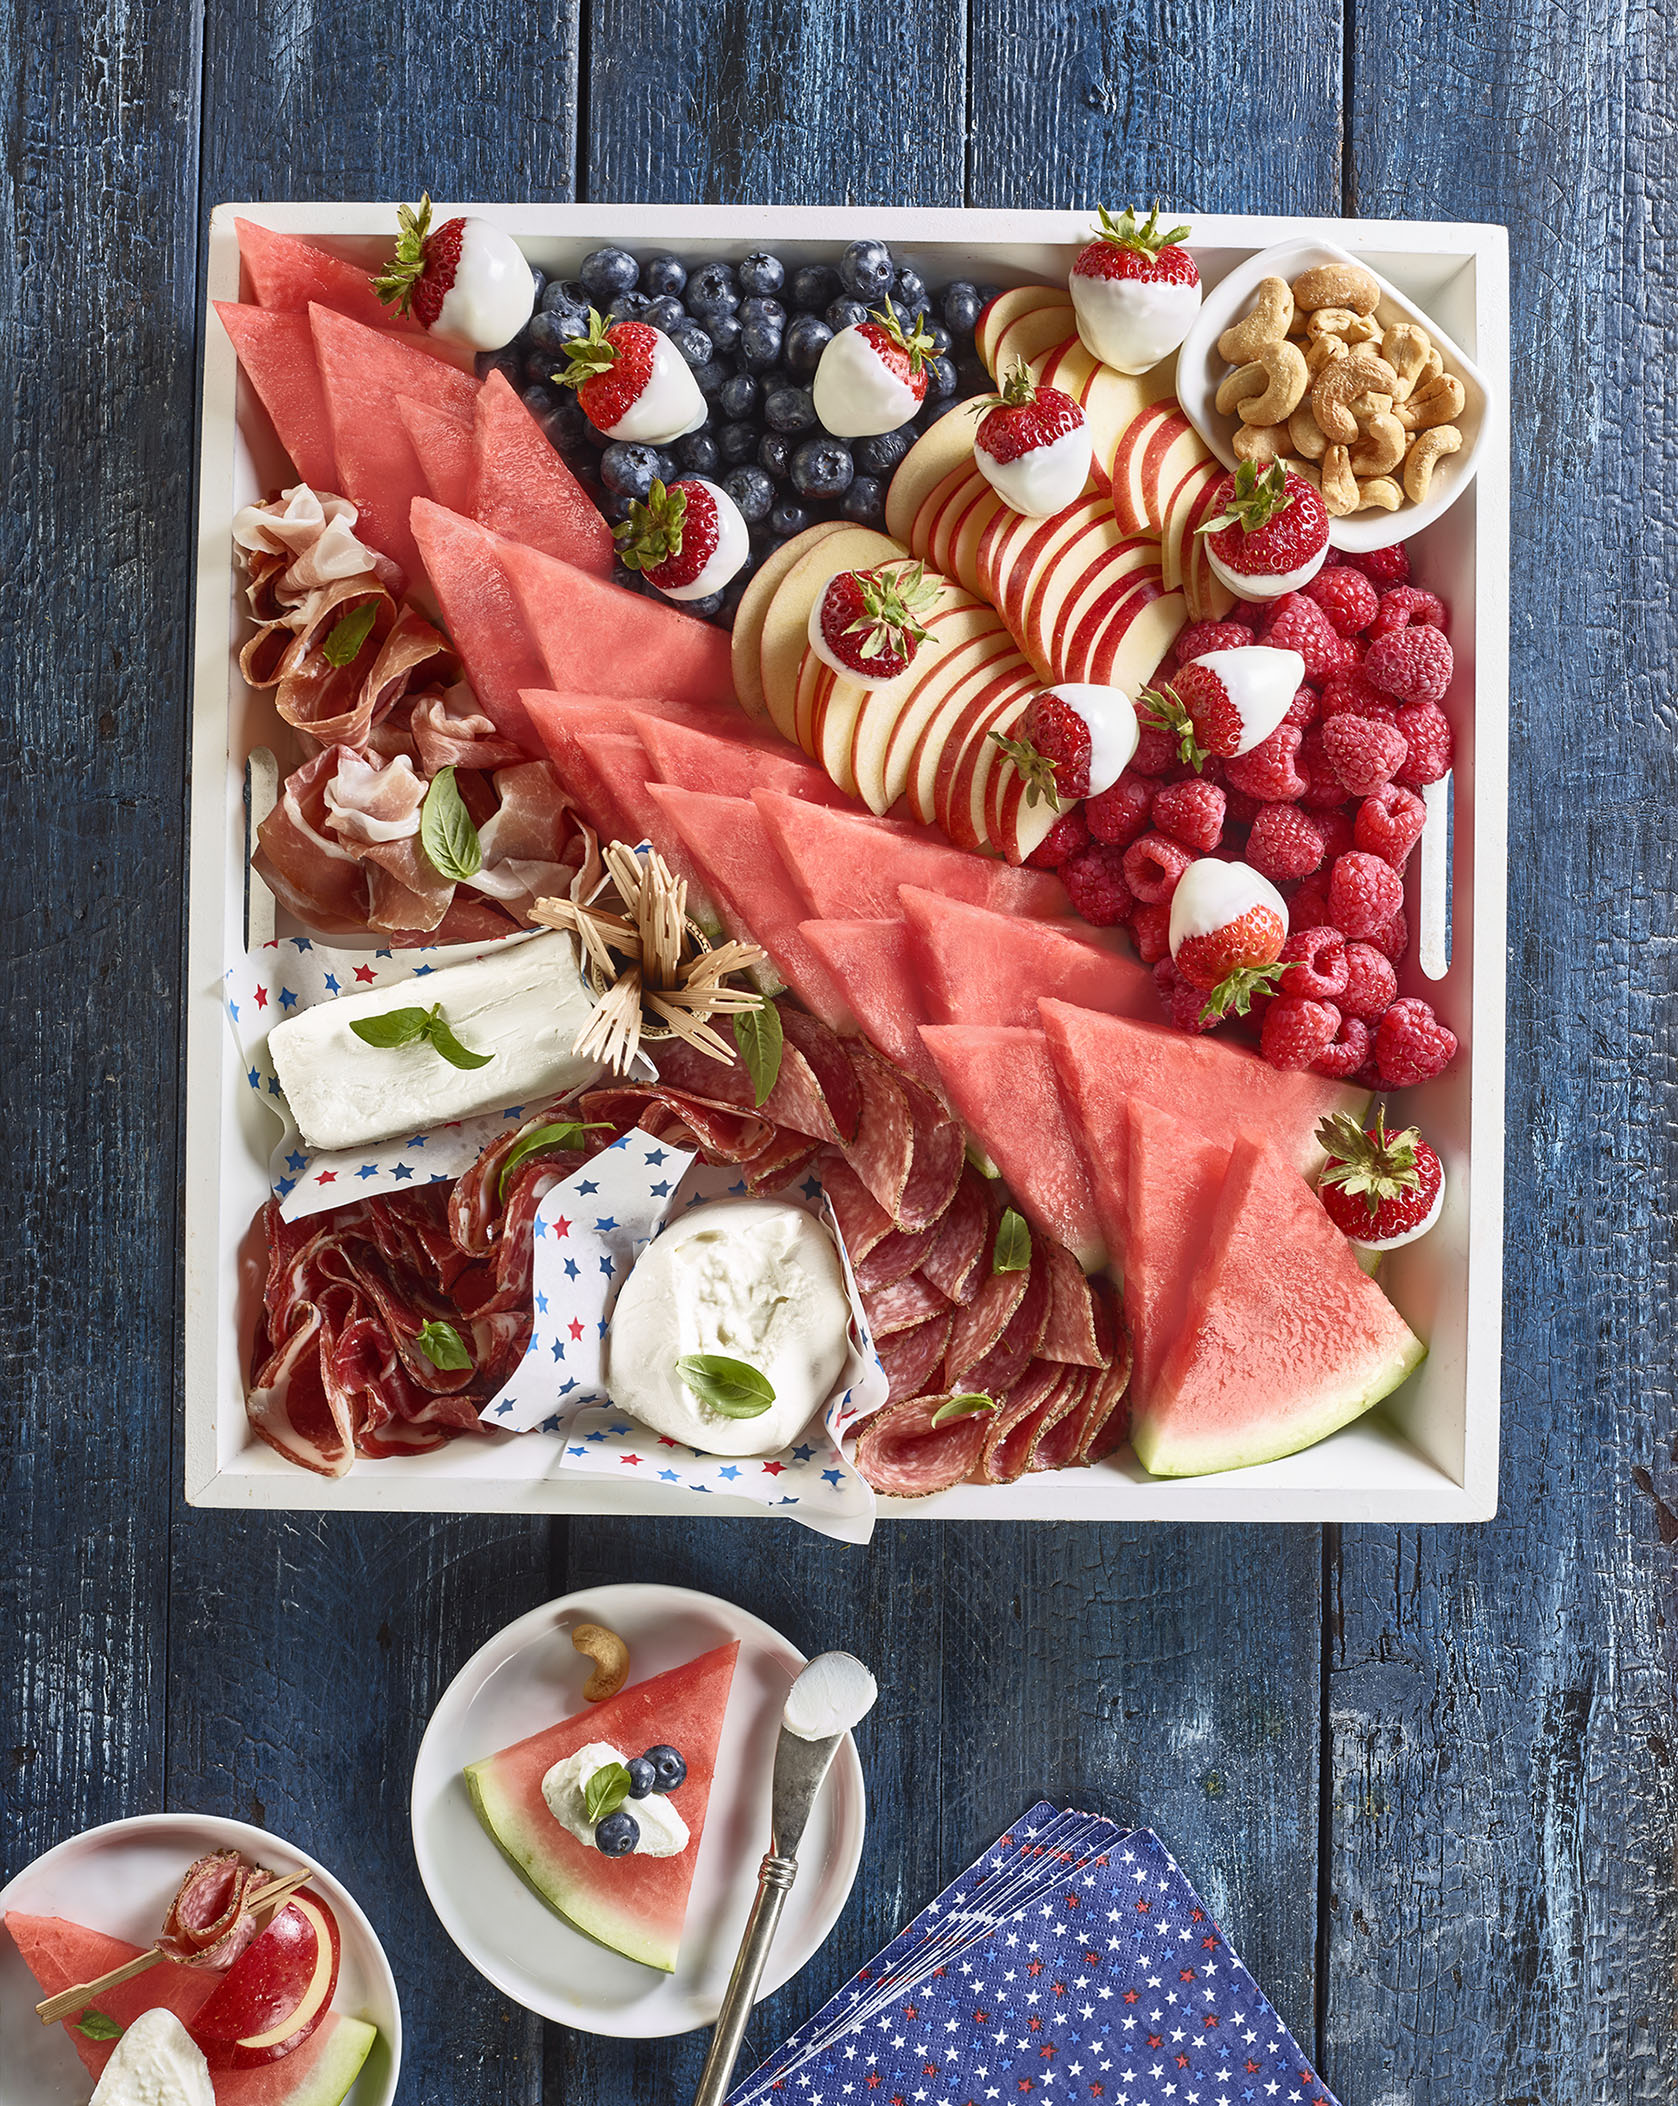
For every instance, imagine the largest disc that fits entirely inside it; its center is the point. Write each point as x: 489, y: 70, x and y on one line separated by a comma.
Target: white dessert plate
x: 1201, y: 370
x: 530, y: 1675
x: 120, y: 1878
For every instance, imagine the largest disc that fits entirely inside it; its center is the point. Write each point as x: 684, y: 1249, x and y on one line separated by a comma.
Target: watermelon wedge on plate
x: 1173, y: 1177
x: 1287, y: 1339
x: 442, y: 441
x: 292, y: 275
x: 872, y: 962
x: 277, y: 352
x: 481, y: 616
x: 637, y: 1904
x: 525, y: 491
x: 979, y: 967
x: 730, y: 766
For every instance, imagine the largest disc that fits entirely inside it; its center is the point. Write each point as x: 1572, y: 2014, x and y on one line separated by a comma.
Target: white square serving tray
x: 1428, y: 1454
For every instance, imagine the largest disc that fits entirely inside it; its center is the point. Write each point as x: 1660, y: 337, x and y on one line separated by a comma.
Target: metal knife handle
x: 774, y: 1882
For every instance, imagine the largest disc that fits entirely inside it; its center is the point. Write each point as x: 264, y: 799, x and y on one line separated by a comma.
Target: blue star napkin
x: 1073, y: 1962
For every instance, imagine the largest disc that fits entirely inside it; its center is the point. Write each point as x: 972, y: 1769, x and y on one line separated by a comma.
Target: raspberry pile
x: 1326, y: 808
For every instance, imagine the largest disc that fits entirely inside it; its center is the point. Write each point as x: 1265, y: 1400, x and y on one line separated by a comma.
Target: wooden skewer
x: 69, y: 2001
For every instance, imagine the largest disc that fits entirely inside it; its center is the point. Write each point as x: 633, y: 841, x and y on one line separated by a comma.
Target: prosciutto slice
x: 210, y: 1920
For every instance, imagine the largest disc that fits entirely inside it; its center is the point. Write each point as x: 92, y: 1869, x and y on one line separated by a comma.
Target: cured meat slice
x: 209, y: 1923
x: 1061, y: 1422
x: 894, y: 1257
x: 863, y: 1222
x: 1013, y: 1352
x: 979, y: 1326
x: 723, y: 1133
x: 910, y: 1358
x: 1012, y: 1430
x: 779, y: 1161
x: 797, y: 1099
x: 1070, y: 1334
x: 902, y: 1454
x: 955, y: 1263
x: 882, y: 1153
x: 940, y: 1153
x: 830, y: 1064
x: 1107, y: 1417
x: 903, y: 1305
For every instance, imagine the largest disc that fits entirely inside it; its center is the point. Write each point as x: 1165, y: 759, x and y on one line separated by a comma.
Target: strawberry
x: 1228, y: 926
x: 1268, y: 531
x: 1380, y: 1189
x: 866, y: 624
x: 688, y: 540
x: 1052, y: 751
x: 632, y: 383
x: 1225, y: 703
x: 872, y: 376
x: 466, y: 279
x: 1135, y: 292
x: 1032, y: 445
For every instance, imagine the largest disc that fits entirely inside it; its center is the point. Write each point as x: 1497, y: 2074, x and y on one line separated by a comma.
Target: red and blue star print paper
x: 1072, y: 1965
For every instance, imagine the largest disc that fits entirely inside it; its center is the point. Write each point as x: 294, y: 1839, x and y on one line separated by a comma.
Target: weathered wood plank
x: 1504, y: 1913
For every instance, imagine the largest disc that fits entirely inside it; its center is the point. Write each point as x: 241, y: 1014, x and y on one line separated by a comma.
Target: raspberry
x: 1152, y: 867
x: 1246, y: 614
x: 1296, y: 1033
x: 1239, y: 808
x: 1308, y: 908
x: 1393, y: 940
x: 1303, y: 710
x: 1316, y: 960
x: 1346, y: 597
x: 1200, y: 637
x: 1403, y: 605
x: 1095, y: 885
x: 1336, y: 829
x: 1323, y: 788
x: 1299, y: 624
x: 1363, y: 894
x: 1387, y: 566
x: 1269, y: 772
x: 1365, y: 754
x: 1350, y: 692
x: 1346, y: 1052
x: 1412, y: 1045
x: 1068, y: 837
x: 1183, y: 1004
x: 1284, y: 843
x: 1150, y: 931
x: 1389, y: 824
x: 1118, y: 815
x: 1371, y: 984
x: 1430, y: 743
x: 1414, y: 664
x: 1156, y: 750
x: 1191, y: 812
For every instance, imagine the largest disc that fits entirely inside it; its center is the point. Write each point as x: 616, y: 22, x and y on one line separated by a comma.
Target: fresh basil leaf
x: 457, y: 1055
x: 1013, y: 1244
x: 606, y: 1791
x: 99, y: 2025
x: 757, y: 1032
x: 397, y: 1027
x: 966, y: 1406
x: 347, y: 635
x: 442, y: 1345
x: 733, y: 1387
x: 560, y: 1133
x: 447, y: 835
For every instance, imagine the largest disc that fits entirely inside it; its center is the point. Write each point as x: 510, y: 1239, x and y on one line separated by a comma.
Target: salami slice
x: 1106, y: 1423
x: 1062, y: 1424
x: 955, y: 1263
x: 883, y: 1150
x: 1009, y: 1431
x: 910, y: 1358
x: 863, y: 1222
x: 210, y: 1921
x: 940, y: 1155
x: 797, y: 1099
x: 824, y: 1052
x: 901, y: 1306
x: 721, y: 1132
x: 981, y: 1324
x: 901, y: 1453
x: 894, y: 1257
x: 1071, y: 1331
x: 782, y: 1158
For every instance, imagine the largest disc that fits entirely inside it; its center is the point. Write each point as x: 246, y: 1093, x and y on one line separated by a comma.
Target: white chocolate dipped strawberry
x: 1382, y: 1190
x: 872, y: 376
x: 1135, y: 292
x: 1032, y: 445
x: 1109, y: 716
x: 866, y: 624
x: 1266, y: 533
x: 465, y: 280
x: 1228, y: 926
x: 632, y: 383
x: 688, y: 540
x: 1225, y: 702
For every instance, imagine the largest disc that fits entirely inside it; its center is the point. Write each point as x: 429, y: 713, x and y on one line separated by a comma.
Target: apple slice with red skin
x: 277, y: 1991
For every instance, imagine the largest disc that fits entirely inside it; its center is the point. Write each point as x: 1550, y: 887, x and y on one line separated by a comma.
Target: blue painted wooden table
x: 1429, y: 1780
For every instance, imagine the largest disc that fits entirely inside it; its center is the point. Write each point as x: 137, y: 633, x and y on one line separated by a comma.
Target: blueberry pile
x: 753, y: 334
x: 660, y: 1769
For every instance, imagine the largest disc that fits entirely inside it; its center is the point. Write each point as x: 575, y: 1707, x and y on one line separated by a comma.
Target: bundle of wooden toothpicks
x: 653, y: 968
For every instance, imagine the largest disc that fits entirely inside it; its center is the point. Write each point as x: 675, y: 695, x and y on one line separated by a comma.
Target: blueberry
x: 608, y: 272
x: 564, y: 424
x: 723, y: 328
x: 629, y: 307
x: 617, y: 1835
x: 939, y: 337
x: 788, y: 519
x: 539, y: 401
x: 866, y: 270
x: 940, y: 378
x: 509, y: 360
x: 760, y: 308
x: 566, y: 292
x: 752, y: 491
x: 710, y: 290
x: 595, y: 436
x: 672, y: 1770
x: 629, y: 580
x: 737, y: 442
x: 663, y: 274
x: 738, y: 396
x: 909, y: 294
x: 789, y: 409
x: 822, y: 468
x: 698, y: 453
x: 813, y: 286
x: 961, y: 305
x: 880, y: 454
x: 772, y: 378
x: 538, y: 283
x: 550, y: 333
x: 666, y: 312
x: 774, y: 455
x: 629, y: 469
x: 865, y: 501
x: 643, y: 1778
x: 934, y: 407
x: 762, y: 273
x: 669, y: 464
x: 539, y: 366
x: 615, y: 506
x: 711, y: 378
x: 760, y: 344
x: 845, y: 314
x: 711, y: 604
x: 987, y: 293
x: 691, y: 341
x: 806, y: 339
x: 971, y: 377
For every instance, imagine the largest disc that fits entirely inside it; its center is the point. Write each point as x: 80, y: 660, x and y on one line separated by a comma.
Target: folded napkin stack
x: 1072, y: 1961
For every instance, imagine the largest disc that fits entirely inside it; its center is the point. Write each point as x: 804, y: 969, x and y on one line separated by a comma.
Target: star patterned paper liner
x: 1072, y: 1962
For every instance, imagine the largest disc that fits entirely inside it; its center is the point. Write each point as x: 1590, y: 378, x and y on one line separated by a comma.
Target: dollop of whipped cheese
x: 156, y: 2063
x: 755, y: 1280
x: 565, y: 1787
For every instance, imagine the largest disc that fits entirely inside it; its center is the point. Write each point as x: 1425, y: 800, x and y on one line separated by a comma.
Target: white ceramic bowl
x: 120, y: 1879
x: 1201, y: 370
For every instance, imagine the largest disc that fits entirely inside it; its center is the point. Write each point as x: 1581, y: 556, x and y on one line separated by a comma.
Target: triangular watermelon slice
x: 60, y: 1954
x: 277, y: 352
x: 618, y: 761
x: 291, y: 276
x: 525, y: 491
x: 849, y: 864
x: 1002, y: 1084
x: 1288, y: 1339
x: 1173, y: 1177
x: 872, y: 962
x: 984, y: 968
x: 635, y: 1905
x: 732, y: 766
x: 481, y: 616
x: 757, y: 901
x: 620, y: 641
x: 442, y: 442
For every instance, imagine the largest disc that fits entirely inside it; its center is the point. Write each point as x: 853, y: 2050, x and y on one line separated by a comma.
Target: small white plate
x: 530, y: 1675
x: 1201, y: 370
x: 120, y: 1879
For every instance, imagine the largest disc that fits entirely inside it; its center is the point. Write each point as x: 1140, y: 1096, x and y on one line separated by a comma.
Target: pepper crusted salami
x: 863, y: 1222
x: 903, y: 1305
x: 209, y: 1921
x: 910, y: 1358
x: 1011, y: 1431
x: 884, y: 1148
x: 955, y: 1264
x: 901, y: 1453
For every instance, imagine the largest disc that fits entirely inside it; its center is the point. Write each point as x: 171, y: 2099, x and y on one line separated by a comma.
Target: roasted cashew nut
x: 1261, y: 442
x: 1440, y: 400
x: 1307, y: 471
x: 1339, y: 385
x: 1306, y: 434
x: 611, y: 1660
x: 1428, y: 447
x: 1323, y: 353
x: 1237, y: 386
x: 1405, y: 348
x: 1266, y: 322
x: 1340, y: 485
x: 1340, y: 321
x: 1381, y: 492
x: 1337, y: 285
x: 1284, y: 366
x: 1382, y: 446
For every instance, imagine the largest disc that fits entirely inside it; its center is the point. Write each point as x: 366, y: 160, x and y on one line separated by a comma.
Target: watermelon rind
x: 337, y: 2066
